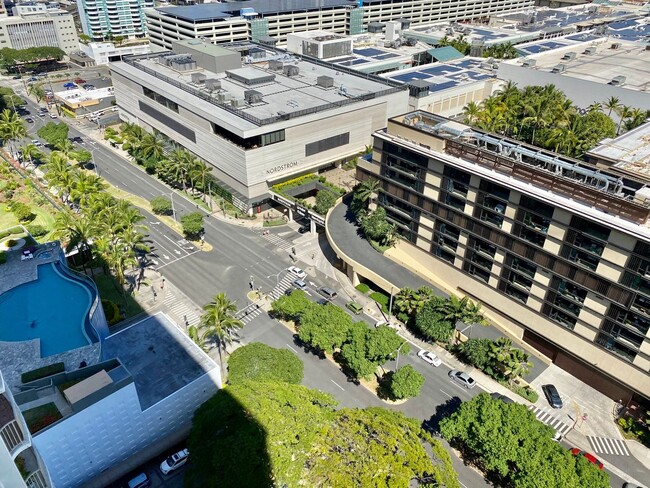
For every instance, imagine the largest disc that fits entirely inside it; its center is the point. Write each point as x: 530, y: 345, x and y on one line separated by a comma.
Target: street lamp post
x: 171, y: 197
x: 277, y: 277
x: 398, y: 350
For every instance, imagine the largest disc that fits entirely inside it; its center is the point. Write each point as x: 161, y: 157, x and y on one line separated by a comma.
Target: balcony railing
x: 536, y: 223
x: 526, y: 269
x: 563, y: 319
x: 572, y: 292
x: 13, y: 436
x: 584, y: 259
x: 567, y: 306
x: 36, y: 480
x: 492, y: 218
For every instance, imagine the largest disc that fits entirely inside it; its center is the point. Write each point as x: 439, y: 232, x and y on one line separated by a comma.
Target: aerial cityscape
x: 324, y: 243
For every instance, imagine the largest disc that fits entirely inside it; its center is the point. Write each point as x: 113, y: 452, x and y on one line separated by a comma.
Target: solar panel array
x: 442, y: 76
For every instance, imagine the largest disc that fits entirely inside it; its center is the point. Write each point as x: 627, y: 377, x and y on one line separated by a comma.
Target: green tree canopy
x: 406, y: 382
x: 324, y: 327
x: 289, y: 307
x: 53, y: 133
x: 192, y: 225
x: 432, y: 323
x: 277, y: 434
x: 259, y: 362
x: 508, y: 441
x: 325, y: 200
x: 161, y: 205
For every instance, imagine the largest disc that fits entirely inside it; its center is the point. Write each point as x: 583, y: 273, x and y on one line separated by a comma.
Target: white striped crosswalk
x: 274, y: 239
x: 282, y: 286
x: 604, y: 445
x: 180, y: 310
x: 248, y: 313
x: 543, y: 415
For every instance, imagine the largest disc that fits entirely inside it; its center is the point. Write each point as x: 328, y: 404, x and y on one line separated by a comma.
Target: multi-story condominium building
x: 556, y: 250
x: 257, y: 19
x: 47, y: 28
x: 102, y: 19
x: 275, y: 116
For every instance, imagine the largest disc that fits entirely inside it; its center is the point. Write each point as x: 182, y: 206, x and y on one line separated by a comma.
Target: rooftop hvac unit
x: 252, y: 96
x: 325, y: 81
x: 224, y: 96
x: 591, y: 50
x: 569, y: 56
x: 618, y: 80
x: 198, y: 78
x: 647, y: 47
x: 257, y: 53
x: 238, y: 102
x: 616, y: 45
x: 376, y: 27
x: 213, y: 84
x: 290, y: 70
x: 529, y: 63
x: 560, y: 68
x: 275, y: 65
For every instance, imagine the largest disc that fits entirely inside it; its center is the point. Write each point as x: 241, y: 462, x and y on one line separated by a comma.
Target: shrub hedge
x: 363, y: 288
x: 44, y: 372
x: 381, y: 299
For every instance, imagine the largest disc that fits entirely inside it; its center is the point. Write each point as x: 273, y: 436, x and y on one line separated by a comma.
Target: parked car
x: 140, y: 481
x: 53, y: 115
x: 462, y: 378
x: 17, y: 77
x: 174, y: 461
x: 37, y: 143
x: 88, y: 86
x: 77, y: 139
x: 354, y: 307
x: 69, y: 84
x: 304, y: 228
x: 429, y: 357
x: 552, y: 395
x: 29, y: 120
x: 590, y: 457
x: 79, y: 81
x: 297, y: 271
x: 503, y: 398
x: 328, y: 293
x: 379, y: 323
x: 299, y: 284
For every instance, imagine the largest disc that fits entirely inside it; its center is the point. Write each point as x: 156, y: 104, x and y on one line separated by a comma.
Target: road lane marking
x: 178, y: 259
x: 338, y: 385
x: 291, y: 348
x: 446, y: 394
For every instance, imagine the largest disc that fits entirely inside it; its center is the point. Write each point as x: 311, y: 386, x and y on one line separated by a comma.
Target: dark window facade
x: 156, y: 97
x: 249, y: 142
x: 168, y: 121
x: 327, y: 144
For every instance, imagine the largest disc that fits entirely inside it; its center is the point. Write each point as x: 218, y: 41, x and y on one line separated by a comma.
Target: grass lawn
x: 7, y: 219
x: 40, y: 417
x: 109, y: 290
x: 273, y: 223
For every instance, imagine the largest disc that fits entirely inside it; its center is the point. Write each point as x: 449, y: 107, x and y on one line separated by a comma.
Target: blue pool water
x: 54, y: 309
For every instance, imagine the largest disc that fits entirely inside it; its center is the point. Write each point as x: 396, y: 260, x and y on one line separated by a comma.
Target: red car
x: 79, y: 80
x: 590, y: 457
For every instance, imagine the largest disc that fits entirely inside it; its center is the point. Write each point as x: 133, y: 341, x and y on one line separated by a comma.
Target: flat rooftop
x: 283, y: 97
x: 220, y: 11
x: 82, y: 95
x: 470, y: 32
x: 631, y: 151
x: 443, y: 76
x: 159, y: 356
x: 631, y: 60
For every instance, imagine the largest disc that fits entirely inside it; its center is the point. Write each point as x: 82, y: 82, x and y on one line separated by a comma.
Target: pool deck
x: 18, y: 357
x: 17, y: 272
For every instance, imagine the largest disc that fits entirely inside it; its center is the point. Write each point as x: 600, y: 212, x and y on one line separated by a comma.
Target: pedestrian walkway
x: 274, y: 239
x: 543, y: 415
x: 284, y: 284
x: 603, y: 445
x: 180, y: 310
x: 248, y: 313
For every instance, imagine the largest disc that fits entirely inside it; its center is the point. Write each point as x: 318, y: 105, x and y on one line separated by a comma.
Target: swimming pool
x: 54, y: 309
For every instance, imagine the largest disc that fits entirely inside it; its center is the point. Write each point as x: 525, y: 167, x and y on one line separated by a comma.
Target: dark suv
x: 553, y: 396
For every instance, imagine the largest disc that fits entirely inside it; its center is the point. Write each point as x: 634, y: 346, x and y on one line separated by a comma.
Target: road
x: 240, y: 253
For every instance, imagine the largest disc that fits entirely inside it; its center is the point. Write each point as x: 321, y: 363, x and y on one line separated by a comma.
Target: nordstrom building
x: 256, y: 115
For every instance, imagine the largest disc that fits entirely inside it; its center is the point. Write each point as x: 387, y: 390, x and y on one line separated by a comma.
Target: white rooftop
x: 82, y: 95
x: 631, y: 151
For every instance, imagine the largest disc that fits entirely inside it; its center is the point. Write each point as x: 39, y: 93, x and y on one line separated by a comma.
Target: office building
x: 53, y: 28
x: 259, y: 19
x: 255, y: 114
x: 556, y: 250
x: 103, y: 19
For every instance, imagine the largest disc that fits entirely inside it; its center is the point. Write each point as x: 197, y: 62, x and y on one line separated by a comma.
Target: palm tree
x: 12, y: 128
x: 198, y: 338
x: 404, y: 300
x: 219, y: 322
x: 199, y: 172
x: 518, y: 365
x: 31, y: 152
x: 456, y: 309
x: 595, y: 107
x: 153, y: 147
x: 471, y: 112
x: 367, y: 190
x: 537, y: 115
x: 59, y: 175
x: 624, y: 112
x: 75, y: 232
x: 612, y: 104
x: 65, y: 147
x: 37, y: 91
x: 179, y: 165
x: 85, y: 185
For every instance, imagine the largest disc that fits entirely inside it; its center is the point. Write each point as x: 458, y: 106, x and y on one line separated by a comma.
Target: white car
x: 297, y: 271
x: 37, y: 143
x: 430, y: 358
x: 174, y: 461
x: 53, y: 116
x: 387, y: 324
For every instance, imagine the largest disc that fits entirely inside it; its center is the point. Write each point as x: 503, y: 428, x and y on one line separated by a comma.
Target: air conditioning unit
x: 569, y: 56
x: 618, y: 80
x: 590, y: 50
x: 198, y: 78
x: 615, y: 45
x: 529, y: 63
x: 560, y: 68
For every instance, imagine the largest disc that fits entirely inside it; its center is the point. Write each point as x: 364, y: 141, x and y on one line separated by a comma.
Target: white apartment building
x: 49, y: 28
x: 258, y: 19
x: 106, y: 52
x: 106, y: 18
x: 274, y: 116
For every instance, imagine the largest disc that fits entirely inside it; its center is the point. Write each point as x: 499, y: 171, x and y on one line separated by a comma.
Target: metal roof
x: 445, y: 53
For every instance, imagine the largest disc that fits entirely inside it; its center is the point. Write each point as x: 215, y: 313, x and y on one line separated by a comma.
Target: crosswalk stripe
x: 605, y: 445
x: 278, y: 241
x: 547, y: 417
